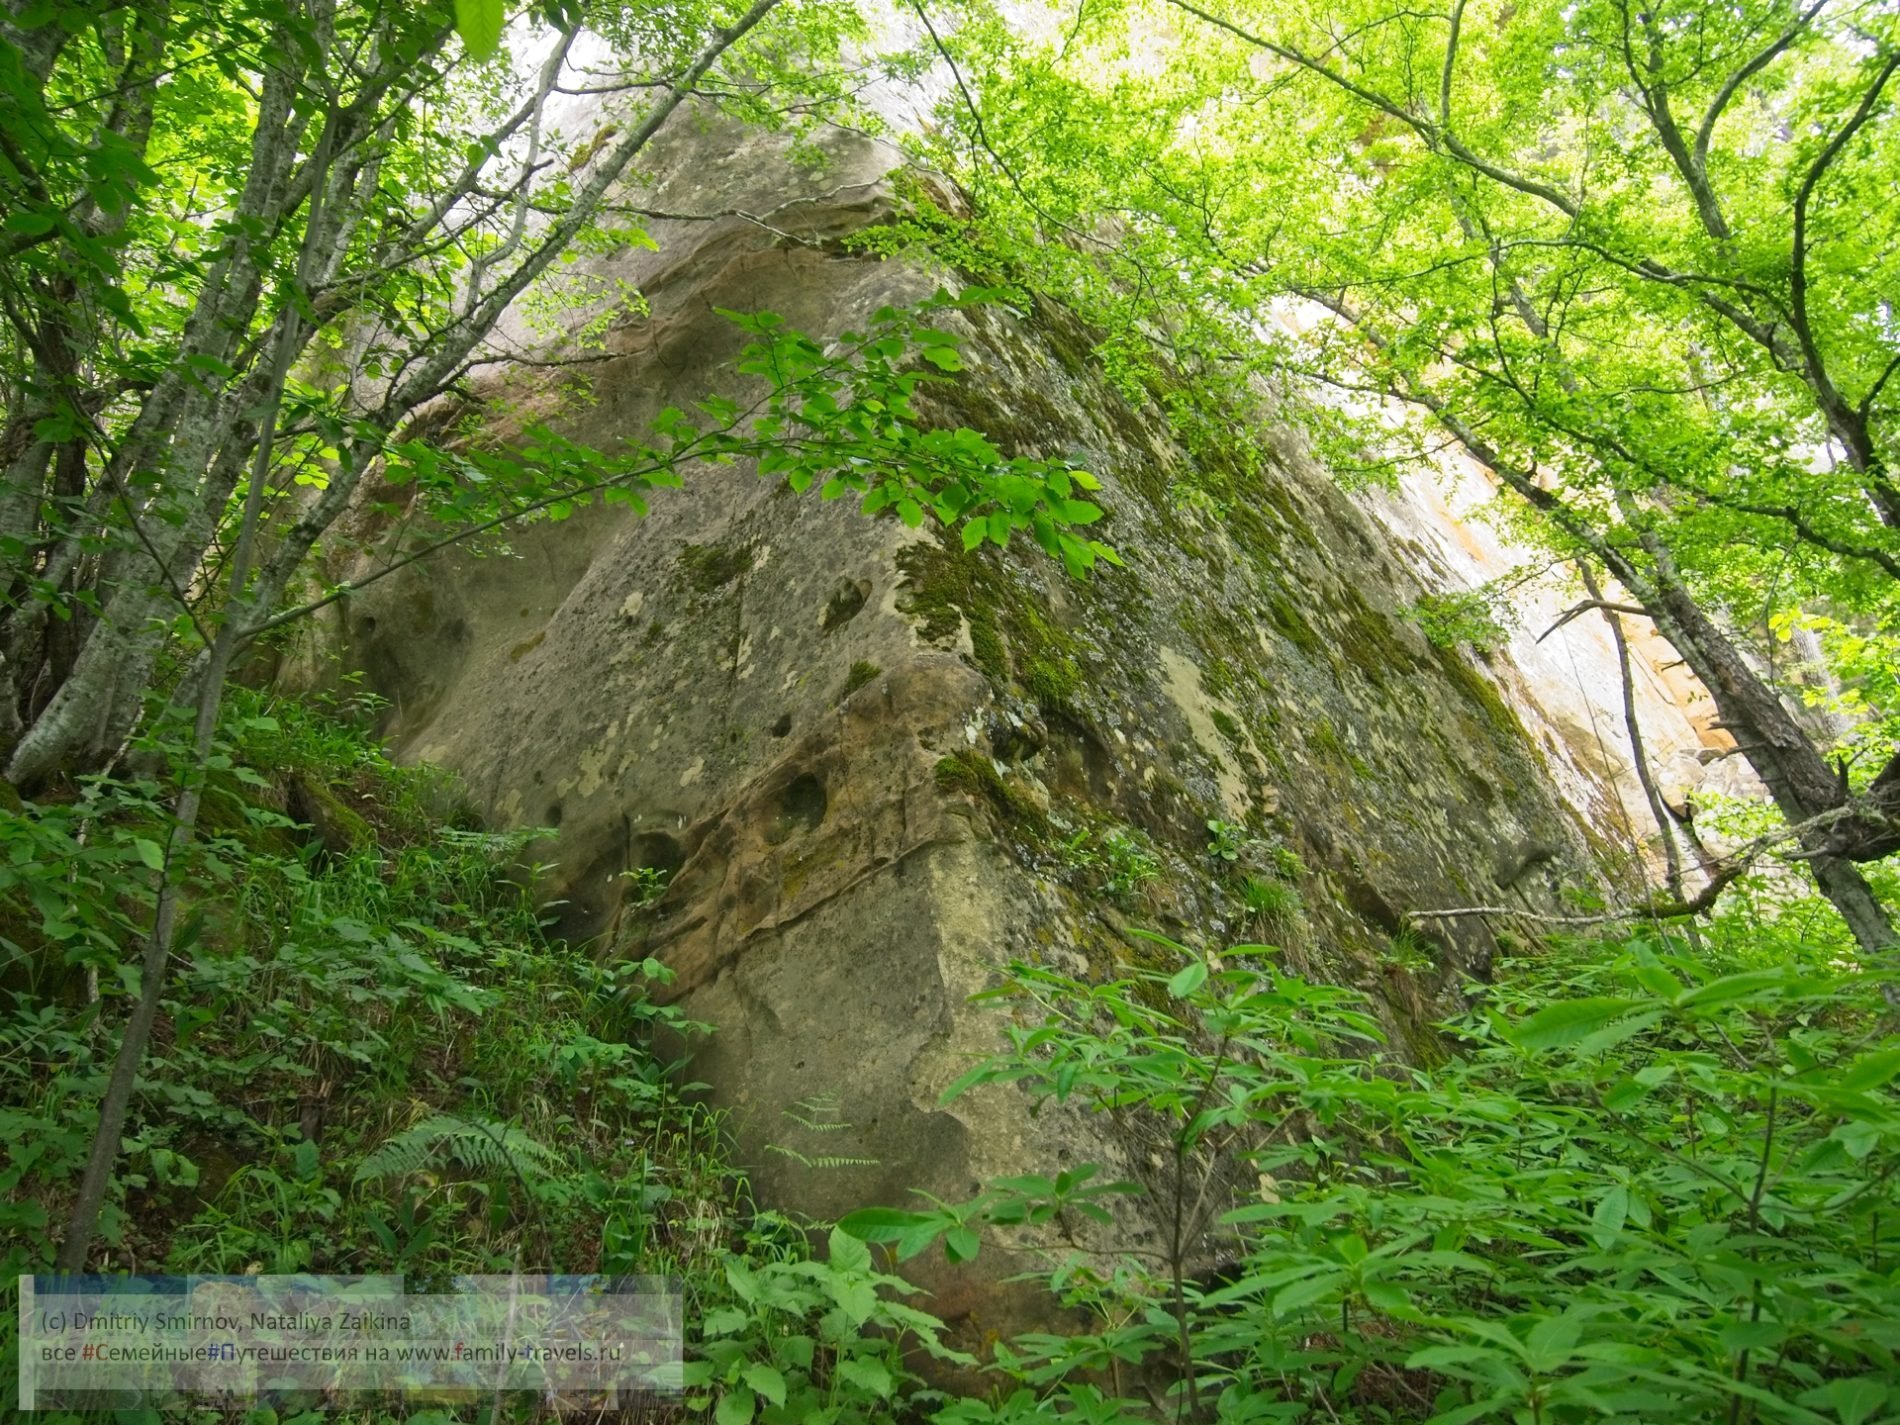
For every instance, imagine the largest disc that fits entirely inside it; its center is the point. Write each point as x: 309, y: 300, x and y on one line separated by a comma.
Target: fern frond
x: 823, y: 1161
x: 479, y: 1144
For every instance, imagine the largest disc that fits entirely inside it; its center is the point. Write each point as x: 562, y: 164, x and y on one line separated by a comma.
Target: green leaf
x: 857, y: 1299
x: 479, y: 23
x: 1854, y: 1401
x: 149, y: 852
x: 30, y: 223
x: 1870, y: 1071
x: 1077, y: 511
x: 877, y: 1224
x: 1436, y: 1357
x: 1730, y: 988
x: 766, y: 1381
x: 1624, y: 1094
x: 848, y: 1252
x: 1188, y: 980
x: 1304, y: 1292
x: 1568, y: 1021
x: 1658, y: 982
x: 1551, y: 1340
x: 736, y: 1407
x: 1608, y: 1037
x: 867, y: 1375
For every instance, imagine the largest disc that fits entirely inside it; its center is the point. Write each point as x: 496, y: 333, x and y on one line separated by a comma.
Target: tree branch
x: 1706, y: 129
x: 1586, y: 605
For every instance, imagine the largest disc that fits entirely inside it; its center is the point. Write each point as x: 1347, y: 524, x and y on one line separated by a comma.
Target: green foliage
x: 645, y: 886
x: 369, y: 1061
x: 1462, y: 618
x: 1634, y: 262
x: 1409, y: 952
x: 479, y: 23
x: 480, y: 1145
x: 1651, y: 1186
x: 265, y: 245
x: 1286, y: 862
x: 835, y: 415
x: 1119, y: 856
x: 811, y: 1341
x: 846, y: 423
x: 819, y: 1118
x: 1225, y: 841
x: 1027, y: 1201
x: 1271, y: 903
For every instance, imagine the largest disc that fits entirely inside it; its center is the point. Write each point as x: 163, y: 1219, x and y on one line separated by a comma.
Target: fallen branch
x: 1703, y: 900
x: 1583, y: 608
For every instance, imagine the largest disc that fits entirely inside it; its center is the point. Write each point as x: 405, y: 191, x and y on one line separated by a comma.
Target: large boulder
x: 858, y: 760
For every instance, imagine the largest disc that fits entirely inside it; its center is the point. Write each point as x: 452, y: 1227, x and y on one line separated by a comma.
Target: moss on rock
x: 1481, y: 691
x: 710, y: 567
x: 973, y: 774
x: 1011, y: 638
x: 1291, y: 623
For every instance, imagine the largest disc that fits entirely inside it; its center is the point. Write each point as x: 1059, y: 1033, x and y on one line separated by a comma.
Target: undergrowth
x: 1648, y: 1182
x: 1656, y: 1183
x: 370, y: 1058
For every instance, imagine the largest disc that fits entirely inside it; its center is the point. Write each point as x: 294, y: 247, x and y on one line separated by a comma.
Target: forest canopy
x: 1638, y: 262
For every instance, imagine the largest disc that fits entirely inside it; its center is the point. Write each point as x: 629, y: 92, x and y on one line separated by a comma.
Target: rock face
x: 861, y: 760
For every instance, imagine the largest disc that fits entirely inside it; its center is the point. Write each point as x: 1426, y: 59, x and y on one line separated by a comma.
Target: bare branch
x: 1721, y: 877
x: 1585, y: 606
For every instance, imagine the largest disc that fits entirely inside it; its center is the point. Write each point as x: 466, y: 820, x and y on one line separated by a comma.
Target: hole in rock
x: 801, y: 806
x: 846, y: 601
x: 656, y: 851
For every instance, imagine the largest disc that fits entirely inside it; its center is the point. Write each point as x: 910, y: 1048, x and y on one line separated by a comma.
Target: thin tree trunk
x: 54, y: 735
x: 1797, y: 777
x: 96, y: 1180
x: 1639, y: 758
x: 1633, y: 730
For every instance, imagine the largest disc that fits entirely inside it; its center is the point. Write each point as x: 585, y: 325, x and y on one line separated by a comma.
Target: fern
x: 828, y: 1161
x: 481, y: 1145
x: 820, y: 1113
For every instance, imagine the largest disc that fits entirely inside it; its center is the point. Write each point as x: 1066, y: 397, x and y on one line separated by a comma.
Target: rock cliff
x: 869, y: 769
